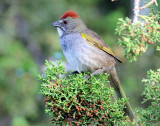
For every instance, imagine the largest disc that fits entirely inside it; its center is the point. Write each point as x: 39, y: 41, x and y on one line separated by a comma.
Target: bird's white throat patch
x: 60, y: 31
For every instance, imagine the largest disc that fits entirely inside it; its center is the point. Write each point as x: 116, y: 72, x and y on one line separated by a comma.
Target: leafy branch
x: 71, y: 101
x: 136, y: 37
x: 150, y: 115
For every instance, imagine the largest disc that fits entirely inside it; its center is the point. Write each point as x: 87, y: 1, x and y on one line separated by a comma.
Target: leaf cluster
x: 71, y: 101
x: 151, y: 115
x: 136, y: 37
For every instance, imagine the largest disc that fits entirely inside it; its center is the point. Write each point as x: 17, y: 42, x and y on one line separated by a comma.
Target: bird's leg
x: 98, y: 71
x: 87, y: 77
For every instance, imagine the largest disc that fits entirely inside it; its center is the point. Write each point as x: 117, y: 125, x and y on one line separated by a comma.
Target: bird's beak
x: 56, y: 24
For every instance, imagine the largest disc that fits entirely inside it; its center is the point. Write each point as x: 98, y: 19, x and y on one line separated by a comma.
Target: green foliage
x: 71, y: 101
x: 152, y: 90
x: 136, y: 37
x: 151, y: 114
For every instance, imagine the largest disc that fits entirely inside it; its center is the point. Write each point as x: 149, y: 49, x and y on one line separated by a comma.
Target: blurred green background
x: 27, y: 39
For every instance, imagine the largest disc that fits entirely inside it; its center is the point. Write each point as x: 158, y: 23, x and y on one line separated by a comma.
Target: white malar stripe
x: 60, y: 31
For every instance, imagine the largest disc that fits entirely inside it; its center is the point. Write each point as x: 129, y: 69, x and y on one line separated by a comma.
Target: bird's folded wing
x: 99, y: 45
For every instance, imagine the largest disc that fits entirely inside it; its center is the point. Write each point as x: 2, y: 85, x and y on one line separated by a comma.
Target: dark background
x: 27, y: 39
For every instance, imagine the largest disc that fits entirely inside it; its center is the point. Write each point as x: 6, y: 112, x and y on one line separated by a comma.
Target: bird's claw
x: 87, y: 78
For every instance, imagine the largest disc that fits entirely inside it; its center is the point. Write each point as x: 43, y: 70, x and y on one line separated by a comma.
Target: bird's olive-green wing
x: 99, y: 44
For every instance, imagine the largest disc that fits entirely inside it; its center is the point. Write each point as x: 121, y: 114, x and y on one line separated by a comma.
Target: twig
x: 143, y: 17
x: 136, y: 10
x: 147, y: 5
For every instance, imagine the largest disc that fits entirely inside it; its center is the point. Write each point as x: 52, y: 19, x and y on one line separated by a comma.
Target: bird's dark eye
x: 65, y: 22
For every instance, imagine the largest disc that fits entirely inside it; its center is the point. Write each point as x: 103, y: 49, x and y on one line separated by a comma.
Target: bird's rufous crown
x: 71, y: 13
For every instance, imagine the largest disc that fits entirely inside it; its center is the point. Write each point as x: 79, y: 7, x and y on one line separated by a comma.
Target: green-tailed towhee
x: 85, y: 51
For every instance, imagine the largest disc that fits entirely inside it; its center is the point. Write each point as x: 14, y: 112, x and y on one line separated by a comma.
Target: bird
x: 86, y: 51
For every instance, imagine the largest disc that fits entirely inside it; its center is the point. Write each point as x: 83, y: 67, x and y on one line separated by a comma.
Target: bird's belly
x: 84, y: 57
x: 82, y: 62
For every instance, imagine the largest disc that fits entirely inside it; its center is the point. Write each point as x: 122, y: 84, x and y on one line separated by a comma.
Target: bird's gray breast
x: 71, y: 45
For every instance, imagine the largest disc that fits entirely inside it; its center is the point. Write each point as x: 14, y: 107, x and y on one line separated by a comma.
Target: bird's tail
x: 114, y: 80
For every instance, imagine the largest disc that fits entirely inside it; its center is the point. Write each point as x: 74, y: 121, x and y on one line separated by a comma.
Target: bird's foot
x: 87, y: 78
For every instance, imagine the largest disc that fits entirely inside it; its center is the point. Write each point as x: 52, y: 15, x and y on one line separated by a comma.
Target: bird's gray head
x: 70, y: 22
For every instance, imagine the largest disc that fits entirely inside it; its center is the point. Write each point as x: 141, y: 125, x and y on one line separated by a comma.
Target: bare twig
x: 147, y: 5
x: 136, y: 10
